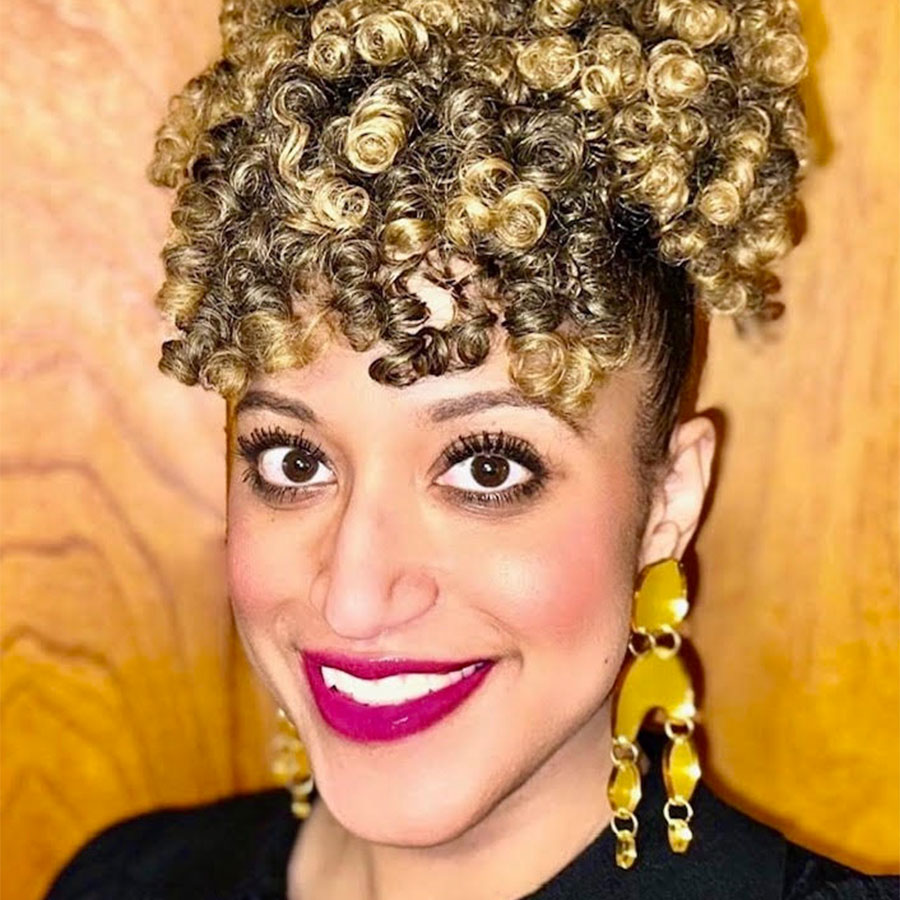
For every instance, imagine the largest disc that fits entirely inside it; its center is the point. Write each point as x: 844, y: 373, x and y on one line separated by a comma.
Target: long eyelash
x: 514, y: 494
x: 493, y: 443
x: 500, y: 444
x: 261, y: 439
x: 463, y: 447
x: 274, y: 493
x: 257, y: 442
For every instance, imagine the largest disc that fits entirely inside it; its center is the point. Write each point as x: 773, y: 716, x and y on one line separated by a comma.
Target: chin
x: 413, y: 828
x: 403, y: 810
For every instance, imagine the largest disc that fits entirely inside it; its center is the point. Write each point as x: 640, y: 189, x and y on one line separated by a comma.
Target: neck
x: 526, y: 838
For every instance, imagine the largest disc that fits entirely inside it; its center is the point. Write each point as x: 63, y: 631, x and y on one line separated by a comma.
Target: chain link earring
x: 290, y: 765
x: 655, y: 678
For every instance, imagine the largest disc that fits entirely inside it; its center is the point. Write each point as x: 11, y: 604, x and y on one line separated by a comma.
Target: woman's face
x: 441, y: 523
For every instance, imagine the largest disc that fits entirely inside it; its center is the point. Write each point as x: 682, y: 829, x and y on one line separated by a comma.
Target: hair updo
x: 608, y: 166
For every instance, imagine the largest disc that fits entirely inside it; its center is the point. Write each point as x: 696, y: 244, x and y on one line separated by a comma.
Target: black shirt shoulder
x: 238, y: 849
x: 233, y: 848
x: 732, y: 855
x: 809, y: 876
x: 802, y: 874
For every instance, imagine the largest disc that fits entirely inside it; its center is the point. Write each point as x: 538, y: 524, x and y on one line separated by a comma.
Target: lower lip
x: 367, y: 724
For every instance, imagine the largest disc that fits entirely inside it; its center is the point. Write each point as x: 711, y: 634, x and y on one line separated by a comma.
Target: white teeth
x: 393, y: 689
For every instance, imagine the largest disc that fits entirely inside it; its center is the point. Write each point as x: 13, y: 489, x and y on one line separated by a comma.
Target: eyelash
x: 497, y: 444
x: 464, y: 447
x: 250, y: 448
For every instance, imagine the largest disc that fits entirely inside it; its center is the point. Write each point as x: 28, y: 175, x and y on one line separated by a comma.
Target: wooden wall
x: 797, y: 622
x: 122, y: 683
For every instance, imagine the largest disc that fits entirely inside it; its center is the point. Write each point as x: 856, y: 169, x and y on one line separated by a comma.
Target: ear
x: 678, y: 500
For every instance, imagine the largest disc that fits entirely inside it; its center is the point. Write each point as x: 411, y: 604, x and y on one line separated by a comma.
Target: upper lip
x: 387, y: 666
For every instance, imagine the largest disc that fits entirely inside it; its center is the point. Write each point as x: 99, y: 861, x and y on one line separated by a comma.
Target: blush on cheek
x: 269, y: 574
x: 569, y: 588
x: 252, y: 578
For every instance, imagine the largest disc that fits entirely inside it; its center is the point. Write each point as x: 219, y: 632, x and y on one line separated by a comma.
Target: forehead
x: 336, y: 390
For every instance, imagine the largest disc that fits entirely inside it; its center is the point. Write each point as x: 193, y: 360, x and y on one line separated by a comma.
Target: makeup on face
x: 486, y: 469
x: 412, y: 572
x: 369, y: 700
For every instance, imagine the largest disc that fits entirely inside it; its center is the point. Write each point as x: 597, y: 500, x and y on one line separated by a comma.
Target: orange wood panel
x: 797, y: 621
x: 123, y: 686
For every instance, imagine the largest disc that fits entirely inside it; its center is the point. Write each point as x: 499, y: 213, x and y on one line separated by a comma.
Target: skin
x: 382, y: 558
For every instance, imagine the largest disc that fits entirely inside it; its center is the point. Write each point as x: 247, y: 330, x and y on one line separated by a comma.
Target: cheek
x: 259, y: 582
x: 570, y: 583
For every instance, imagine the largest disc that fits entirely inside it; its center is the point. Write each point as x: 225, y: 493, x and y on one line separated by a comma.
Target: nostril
x: 413, y: 592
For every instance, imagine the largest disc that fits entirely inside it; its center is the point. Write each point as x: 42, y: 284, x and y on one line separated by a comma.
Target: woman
x: 443, y: 259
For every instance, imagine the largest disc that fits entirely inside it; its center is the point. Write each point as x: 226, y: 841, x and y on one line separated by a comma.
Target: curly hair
x: 608, y: 166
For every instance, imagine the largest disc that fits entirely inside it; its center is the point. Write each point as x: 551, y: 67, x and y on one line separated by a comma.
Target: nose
x: 373, y: 574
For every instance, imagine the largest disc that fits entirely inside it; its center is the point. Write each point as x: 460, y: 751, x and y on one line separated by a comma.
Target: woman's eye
x: 486, y: 473
x: 493, y: 469
x: 292, y: 467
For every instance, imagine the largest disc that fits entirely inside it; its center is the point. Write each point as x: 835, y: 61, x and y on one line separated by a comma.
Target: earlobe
x: 678, y: 503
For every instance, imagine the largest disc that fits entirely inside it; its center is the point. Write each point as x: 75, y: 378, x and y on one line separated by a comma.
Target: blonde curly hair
x: 607, y: 165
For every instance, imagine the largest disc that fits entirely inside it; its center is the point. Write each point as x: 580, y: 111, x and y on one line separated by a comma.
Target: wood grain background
x: 123, y: 687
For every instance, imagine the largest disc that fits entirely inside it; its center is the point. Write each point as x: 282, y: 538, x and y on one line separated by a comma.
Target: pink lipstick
x: 369, y: 700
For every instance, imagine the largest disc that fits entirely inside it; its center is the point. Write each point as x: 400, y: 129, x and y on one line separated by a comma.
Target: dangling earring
x: 656, y: 678
x: 290, y: 765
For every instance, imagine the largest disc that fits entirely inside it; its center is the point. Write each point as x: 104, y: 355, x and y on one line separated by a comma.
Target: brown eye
x: 490, y: 471
x: 291, y: 466
x: 486, y: 473
x: 299, y: 466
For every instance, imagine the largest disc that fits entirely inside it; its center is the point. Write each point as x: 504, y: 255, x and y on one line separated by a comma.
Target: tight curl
x: 607, y: 165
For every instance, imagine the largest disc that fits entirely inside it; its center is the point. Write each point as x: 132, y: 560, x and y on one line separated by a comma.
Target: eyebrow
x: 455, y: 407
x: 440, y: 411
x: 278, y: 403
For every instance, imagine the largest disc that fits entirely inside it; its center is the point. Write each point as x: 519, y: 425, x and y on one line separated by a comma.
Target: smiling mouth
x: 393, y: 689
x: 382, y: 700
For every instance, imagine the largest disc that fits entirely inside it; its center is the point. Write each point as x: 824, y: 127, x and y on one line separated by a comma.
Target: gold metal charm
x: 290, y: 765
x: 656, y: 678
x: 626, y: 845
x: 624, y: 791
x: 681, y: 771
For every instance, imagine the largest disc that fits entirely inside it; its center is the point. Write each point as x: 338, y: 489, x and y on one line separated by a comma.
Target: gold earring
x: 656, y: 678
x: 290, y: 765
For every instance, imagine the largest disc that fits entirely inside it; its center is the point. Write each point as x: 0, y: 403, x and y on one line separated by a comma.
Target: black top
x: 238, y: 849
